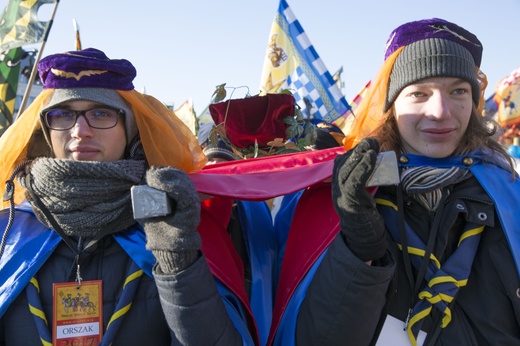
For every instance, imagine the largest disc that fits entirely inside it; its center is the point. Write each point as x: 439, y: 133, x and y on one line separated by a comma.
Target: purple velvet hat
x: 87, y: 68
x: 88, y: 75
x: 434, y: 28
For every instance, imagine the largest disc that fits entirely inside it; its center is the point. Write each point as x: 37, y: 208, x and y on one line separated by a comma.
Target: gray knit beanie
x: 432, y: 48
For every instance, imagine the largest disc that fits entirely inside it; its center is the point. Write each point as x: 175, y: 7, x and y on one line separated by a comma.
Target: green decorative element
x: 219, y: 94
x: 20, y: 25
x: 9, y: 72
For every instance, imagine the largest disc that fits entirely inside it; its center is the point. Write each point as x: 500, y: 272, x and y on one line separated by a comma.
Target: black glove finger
x: 355, y: 187
x: 343, y: 164
x: 372, y: 143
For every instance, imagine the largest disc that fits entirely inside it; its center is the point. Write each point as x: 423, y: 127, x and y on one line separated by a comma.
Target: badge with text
x: 77, y: 313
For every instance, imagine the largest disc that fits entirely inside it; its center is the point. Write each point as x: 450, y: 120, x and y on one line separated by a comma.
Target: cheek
x: 466, y: 115
x: 58, y: 140
x: 118, y: 145
x: 406, y: 124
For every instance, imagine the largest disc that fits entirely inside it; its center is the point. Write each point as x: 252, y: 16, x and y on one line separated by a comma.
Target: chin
x: 438, y: 153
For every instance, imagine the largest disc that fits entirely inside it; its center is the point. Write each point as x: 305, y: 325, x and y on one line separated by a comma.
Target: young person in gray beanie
x: 79, y: 264
x: 434, y: 259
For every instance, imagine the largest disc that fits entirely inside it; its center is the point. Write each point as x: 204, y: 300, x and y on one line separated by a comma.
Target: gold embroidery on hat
x: 78, y: 76
x: 445, y: 28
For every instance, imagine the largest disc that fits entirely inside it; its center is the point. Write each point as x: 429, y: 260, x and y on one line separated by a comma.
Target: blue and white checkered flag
x: 292, y: 63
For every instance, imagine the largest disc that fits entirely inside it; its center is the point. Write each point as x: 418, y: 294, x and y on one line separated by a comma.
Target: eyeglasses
x: 98, y: 118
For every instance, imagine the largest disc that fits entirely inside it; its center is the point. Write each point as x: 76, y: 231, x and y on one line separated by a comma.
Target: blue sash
x: 260, y: 240
x: 282, y: 225
x: 286, y: 333
x: 30, y: 244
x: 498, y: 184
x: 236, y: 312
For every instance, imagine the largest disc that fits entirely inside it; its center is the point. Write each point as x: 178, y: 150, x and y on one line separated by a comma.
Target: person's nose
x: 82, y: 128
x: 439, y: 106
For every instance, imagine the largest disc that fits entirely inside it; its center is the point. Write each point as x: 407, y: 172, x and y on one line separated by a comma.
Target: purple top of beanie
x: 434, y: 28
x: 87, y: 68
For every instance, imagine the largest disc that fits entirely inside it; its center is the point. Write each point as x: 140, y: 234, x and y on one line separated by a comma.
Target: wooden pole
x: 35, y: 66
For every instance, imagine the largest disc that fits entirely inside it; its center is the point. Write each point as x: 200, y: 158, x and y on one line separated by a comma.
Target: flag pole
x: 35, y: 66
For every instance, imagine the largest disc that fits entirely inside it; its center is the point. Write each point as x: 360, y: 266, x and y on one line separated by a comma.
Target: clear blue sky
x: 183, y: 49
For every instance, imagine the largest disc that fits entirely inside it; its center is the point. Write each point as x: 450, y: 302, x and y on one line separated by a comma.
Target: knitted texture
x: 83, y: 196
x: 173, y: 238
x: 434, y: 57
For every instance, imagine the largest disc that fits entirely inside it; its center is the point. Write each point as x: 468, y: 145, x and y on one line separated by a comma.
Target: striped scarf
x: 425, y: 183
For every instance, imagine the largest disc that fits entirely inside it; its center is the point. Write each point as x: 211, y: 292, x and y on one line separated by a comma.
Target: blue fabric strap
x: 443, y: 281
x: 236, y: 312
x: 124, y: 304
x: 133, y: 241
x: 35, y: 306
x: 493, y: 175
x: 260, y: 241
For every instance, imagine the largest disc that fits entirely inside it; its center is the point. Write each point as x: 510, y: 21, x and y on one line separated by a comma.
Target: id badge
x: 77, y: 313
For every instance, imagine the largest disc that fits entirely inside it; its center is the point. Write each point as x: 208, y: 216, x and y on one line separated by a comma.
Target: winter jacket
x: 156, y: 316
x: 349, y: 301
x: 143, y: 324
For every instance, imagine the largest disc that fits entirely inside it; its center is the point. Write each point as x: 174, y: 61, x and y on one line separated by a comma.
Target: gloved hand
x: 362, y: 227
x: 173, y: 238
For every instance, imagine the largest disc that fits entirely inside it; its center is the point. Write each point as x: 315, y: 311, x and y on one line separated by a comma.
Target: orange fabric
x: 166, y: 140
x: 369, y: 113
x: 14, y: 144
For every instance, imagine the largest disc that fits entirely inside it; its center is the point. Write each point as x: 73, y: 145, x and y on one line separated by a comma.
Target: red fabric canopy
x: 256, y: 118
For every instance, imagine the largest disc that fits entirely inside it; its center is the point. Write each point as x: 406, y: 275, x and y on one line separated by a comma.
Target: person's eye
x: 460, y: 91
x: 62, y: 114
x: 416, y: 94
x: 102, y: 113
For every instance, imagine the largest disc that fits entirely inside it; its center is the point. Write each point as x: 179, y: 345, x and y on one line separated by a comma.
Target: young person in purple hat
x: 435, y: 259
x: 77, y: 264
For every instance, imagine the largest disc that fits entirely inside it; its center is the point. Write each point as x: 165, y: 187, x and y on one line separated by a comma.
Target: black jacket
x: 144, y: 324
x: 348, y: 301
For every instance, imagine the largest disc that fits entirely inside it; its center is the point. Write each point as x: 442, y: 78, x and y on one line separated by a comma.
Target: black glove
x: 173, y: 238
x: 362, y: 226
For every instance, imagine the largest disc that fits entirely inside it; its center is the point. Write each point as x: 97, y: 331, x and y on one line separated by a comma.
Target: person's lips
x: 438, y: 133
x: 84, y: 152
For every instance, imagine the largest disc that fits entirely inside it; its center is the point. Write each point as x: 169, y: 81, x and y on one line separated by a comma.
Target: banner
x: 205, y: 117
x: 187, y: 115
x: 9, y: 74
x: 507, y: 97
x: 345, y: 120
x: 292, y: 63
x: 20, y: 25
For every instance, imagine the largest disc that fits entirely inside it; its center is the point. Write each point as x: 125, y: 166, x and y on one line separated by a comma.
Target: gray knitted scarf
x: 83, y: 196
